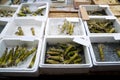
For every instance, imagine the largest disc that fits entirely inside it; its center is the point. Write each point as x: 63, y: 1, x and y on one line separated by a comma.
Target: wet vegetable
x: 10, y: 58
x: 33, y: 31
x: 32, y: 62
x: 39, y: 12
x: 6, y: 13
x: 101, y: 52
x: 16, y: 55
x: 3, y: 57
x: 58, y: 58
x: 52, y: 61
x: 24, y: 55
x: 64, y: 54
x: 19, y: 31
x: 67, y: 27
x: 101, y: 27
x: 25, y: 11
x: 118, y: 52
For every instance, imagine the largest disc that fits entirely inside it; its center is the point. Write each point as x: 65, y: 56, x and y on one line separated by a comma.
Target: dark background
x: 87, y: 76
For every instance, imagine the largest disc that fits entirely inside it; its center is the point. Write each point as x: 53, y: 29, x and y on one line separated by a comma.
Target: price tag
x: 82, y: 41
x: 103, y: 6
x: 72, y: 19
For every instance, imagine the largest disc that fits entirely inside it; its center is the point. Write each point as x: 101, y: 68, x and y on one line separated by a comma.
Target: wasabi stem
x: 101, y: 53
x: 33, y: 31
x: 67, y: 27
x: 64, y: 54
x: 58, y: 58
x: 52, y: 61
x: 118, y: 52
x: 32, y: 62
x: 101, y: 27
x: 19, y: 32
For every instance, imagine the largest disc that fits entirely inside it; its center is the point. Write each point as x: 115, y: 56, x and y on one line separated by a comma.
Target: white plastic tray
x: 110, y: 56
x: 51, y: 68
x: 26, y: 25
x: 21, y: 68
x: 54, y: 26
x: 97, y: 8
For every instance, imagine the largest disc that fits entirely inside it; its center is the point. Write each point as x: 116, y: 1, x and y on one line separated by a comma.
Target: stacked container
x: 55, y: 37
x: 99, y: 9
x: 108, y: 58
x: 21, y: 42
x: 103, y: 31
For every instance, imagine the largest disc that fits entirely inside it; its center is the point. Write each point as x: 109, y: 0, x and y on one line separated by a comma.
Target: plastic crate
x: 22, y: 68
x: 64, y: 68
x: 110, y: 60
x: 90, y: 9
x: 12, y: 28
x: 54, y: 27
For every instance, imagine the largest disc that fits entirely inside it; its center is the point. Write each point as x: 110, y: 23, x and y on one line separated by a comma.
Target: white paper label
x: 41, y: 7
x: 72, y: 19
x: 82, y: 41
x: 103, y: 6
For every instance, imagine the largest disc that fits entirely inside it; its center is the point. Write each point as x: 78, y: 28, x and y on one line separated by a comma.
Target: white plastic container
x: 21, y: 69
x: 97, y: 8
x: 64, y: 68
x: 8, y: 8
x: 111, y: 60
x: 54, y: 27
x: 116, y: 25
x: 34, y: 7
x: 26, y: 25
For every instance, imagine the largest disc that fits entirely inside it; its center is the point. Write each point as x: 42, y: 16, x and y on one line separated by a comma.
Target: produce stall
x: 59, y: 37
